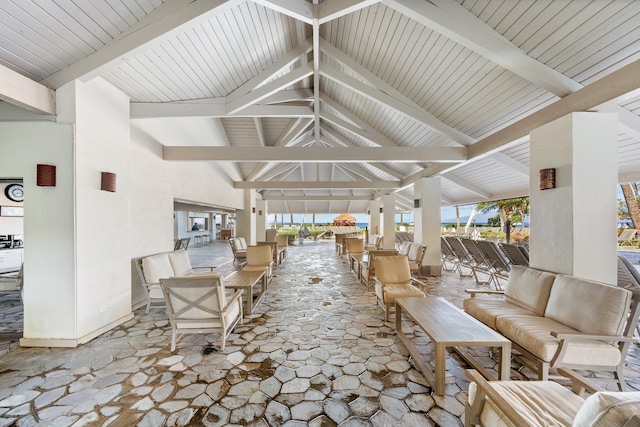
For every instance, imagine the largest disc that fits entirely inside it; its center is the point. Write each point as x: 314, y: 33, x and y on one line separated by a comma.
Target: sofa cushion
x: 587, y: 306
x: 542, y: 403
x: 487, y: 310
x: 606, y: 409
x: 393, y: 291
x: 156, y: 267
x: 392, y: 269
x: 533, y: 334
x: 180, y: 263
x: 414, y: 252
x: 529, y: 288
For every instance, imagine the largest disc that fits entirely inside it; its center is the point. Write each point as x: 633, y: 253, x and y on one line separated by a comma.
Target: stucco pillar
x: 427, y: 223
x: 573, y: 226
x: 246, y: 219
x: 374, y: 217
x: 388, y: 221
x: 261, y: 220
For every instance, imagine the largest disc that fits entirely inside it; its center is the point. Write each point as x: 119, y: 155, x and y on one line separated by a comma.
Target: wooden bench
x: 246, y: 280
x: 447, y: 326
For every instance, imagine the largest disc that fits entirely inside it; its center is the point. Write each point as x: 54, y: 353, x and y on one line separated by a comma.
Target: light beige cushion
x: 237, y: 244
x: 529, y: 288
x: 541, y: 403
x: 259, y: 255
x: 156, y: 267
x: 532, y: 334
x: 180, y: 263
x: 606, y: 409
x: 487, y: 310
x: 355, y: 246
x: 587, y: 306
x: 391, y: 292
x: 243, y: 243
x: 392, y: 269
x: 414, y: 251
x: 404, y: 248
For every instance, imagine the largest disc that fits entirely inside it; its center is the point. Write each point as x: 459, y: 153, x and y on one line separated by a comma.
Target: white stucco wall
x: 49, y: 232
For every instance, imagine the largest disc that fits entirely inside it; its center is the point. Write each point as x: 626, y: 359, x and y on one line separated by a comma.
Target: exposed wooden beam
x: 315, y: 154
x: 260, y: 131
x: 510, y: 162
x: 163, y: 23
x: 611, y: 86
x: 317, y: 198
x: 419, y: 115
x: 149, y: 110
x: 300, y: 185
x: 289, y: 96
x: 270, y: 88
x: 458, y: 24
x: 467, y: 185
x: 23, y: 92
x: 300, y: 10
x: 334, y: 9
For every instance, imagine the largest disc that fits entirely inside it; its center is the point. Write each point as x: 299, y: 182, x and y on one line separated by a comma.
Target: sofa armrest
x: 579, y: 383
x: 237, y: 296
x: 473, y: 292
x: 210, y: 267
x: 565, y: 339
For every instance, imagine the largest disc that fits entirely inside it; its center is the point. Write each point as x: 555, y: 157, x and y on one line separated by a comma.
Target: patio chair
x: 463, y: 259
x: 13, y: 283
x: 198, y: 305
x: 181, y: 244
x: 515, y: 255
x: 447, y: 256
x: 259, y: 258
x: 393, y: 280
x: 282, y: 245
x: 500, y: 265
x: 352, y: 245
x: 239, y: 248
x: 480, y: 262
x: 628, y: 237
x: 629, y: 278
x: 368, y: 267
x: 416, y: 257
x: 547, y: 403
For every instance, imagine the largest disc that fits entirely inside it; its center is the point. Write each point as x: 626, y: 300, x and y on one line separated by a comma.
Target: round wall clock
x: 14, y: 192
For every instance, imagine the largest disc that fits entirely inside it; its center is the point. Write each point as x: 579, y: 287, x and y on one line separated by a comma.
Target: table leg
x: 441, y: 367
x: 505, y: 362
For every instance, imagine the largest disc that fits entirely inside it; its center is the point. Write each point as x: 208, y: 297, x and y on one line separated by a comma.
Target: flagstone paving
x: 315, y: 352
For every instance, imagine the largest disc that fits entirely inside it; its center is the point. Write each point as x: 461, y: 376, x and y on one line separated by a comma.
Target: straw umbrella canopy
x: 343, y: 217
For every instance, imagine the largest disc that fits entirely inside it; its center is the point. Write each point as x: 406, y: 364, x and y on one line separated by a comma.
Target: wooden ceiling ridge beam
x: 300, y: 10
x: 467, y: 185
x: 217, y: 109
x: 279, y: 169
x: 301, y: 185
x: 161, y: 24
x: 369, y: 132
x: 23, y: 92
x: 270, y: 88
x: 419, y: 115
x: 316, y: 68
x: 315, y: 154
x: 458, y: 24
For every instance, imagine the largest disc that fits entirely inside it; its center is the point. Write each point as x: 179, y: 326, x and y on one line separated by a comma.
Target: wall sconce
x: 253, y: 210
x: 260, y: 213
x: 416, y: 203
x: 368, y: 212
x: 46, y: 175
x: 380, y: 210
x: 108, y: 182
x: 547, y: 179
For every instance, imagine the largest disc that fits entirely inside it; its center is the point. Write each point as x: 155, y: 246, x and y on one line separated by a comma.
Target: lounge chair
x: 181, y: 244
x: 480, y: 263
x: 393, y: 280
x: 447, y: 255
x: 500, y: 265
x: 463, y: 259
x: 547, y: 403
x: 629, y: 278
x: 628, y: 237
x: 198, y: 305
x: 515, y: 255
x: 13, y: 283
x: 282, y: 247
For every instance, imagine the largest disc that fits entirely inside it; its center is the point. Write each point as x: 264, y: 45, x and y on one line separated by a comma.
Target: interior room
x: 142, y: 140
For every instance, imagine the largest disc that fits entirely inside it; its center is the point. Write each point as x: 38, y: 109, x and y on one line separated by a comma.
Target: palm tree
x: 507, y: 210
x: 631, y: 193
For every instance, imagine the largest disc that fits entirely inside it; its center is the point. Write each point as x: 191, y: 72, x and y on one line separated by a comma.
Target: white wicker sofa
x: 558, y: 320
x: 164, y: 265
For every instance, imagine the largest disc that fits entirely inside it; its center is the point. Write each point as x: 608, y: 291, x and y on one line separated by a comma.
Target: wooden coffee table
x: 449, y: 327
x: 246, y: 280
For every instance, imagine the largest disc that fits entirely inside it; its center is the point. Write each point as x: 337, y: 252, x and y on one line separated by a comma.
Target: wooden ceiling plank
x: 161, y: 24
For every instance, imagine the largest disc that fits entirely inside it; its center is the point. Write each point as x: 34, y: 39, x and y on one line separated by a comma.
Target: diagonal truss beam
x: 301, y: 185
x: 23, y: 92
x: 216, y: 108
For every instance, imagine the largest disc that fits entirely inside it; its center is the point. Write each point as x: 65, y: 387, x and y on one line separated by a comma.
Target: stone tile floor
x: 315, y: 352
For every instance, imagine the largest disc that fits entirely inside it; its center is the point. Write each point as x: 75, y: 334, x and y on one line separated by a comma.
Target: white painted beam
x: 318, y: 198
x: 23, y: 92
x: 300, y: 185
x: 149, y: 110
x: 270, y: 88
x: 163, y: 23
x: 467, y: 185
x: 510, y: 162
x: 300, y: 10
x: 334, y: 9
x: 292, y: 95
x: 416, y: 114
x: 458, y: 24
x: 260, y: 131
x: 314, y: 154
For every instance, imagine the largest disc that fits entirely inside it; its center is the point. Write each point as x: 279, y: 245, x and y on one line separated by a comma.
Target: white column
x: 427, y: 222
x: 246, y: 219
x: 374, y: 217
x: 573, y: 226
x: 388, y: 221
x: 261, y: 220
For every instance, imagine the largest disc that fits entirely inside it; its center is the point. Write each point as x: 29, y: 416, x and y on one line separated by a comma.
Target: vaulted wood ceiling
x: 328, y: 104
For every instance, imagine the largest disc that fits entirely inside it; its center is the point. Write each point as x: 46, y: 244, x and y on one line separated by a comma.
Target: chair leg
x: 173, y: 341
x: 148, y: 305
x: 619, y: 374
x: 543, y: 371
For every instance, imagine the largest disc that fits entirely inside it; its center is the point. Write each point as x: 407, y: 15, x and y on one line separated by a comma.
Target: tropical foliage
x: 510, y: 211
x: 630, y: 209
